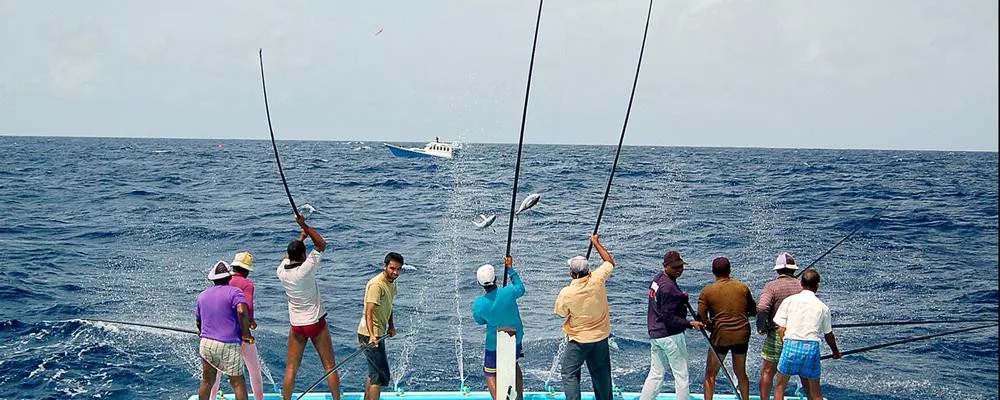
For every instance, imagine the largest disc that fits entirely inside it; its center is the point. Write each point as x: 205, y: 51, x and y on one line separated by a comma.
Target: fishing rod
x: 856, y: 228
x: 341, y: 364
x: 167, y: 328
x: 520, y: 141
x: 263, y: 85
x: 899, y: 323
x: 913, y: 339
x: 717, y: 356
x: 621, y: 138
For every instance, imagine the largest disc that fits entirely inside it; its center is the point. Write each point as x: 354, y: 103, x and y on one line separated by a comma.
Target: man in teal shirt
x: 497, y: 308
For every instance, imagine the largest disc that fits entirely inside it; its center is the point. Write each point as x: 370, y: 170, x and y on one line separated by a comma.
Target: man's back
x: 585, y: 303
x: 498, y: 308
x: 727, y: 303
x: 216, y: 309
x: 302, y: 291
x: 804, y: 317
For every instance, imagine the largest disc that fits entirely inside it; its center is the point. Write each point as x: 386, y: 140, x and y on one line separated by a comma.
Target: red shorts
x: 312, y: 330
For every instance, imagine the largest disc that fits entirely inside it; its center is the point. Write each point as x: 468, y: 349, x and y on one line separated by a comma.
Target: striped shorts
x: 225, y: 357
x: 772, y: 348
x: 800, y: 357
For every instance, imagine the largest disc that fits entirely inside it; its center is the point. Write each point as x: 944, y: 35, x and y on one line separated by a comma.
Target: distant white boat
x: 431, y: 149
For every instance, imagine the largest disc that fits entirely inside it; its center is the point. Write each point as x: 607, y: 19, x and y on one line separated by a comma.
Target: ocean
x: 126, y: 229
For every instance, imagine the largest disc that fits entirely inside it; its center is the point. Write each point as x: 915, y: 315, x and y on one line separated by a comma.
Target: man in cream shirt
x: 584, y: 305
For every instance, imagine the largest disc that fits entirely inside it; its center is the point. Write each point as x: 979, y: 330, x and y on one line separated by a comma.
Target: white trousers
x: 670, y: 350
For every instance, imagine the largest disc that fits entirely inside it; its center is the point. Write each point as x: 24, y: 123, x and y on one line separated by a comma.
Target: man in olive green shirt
x: 376, y: 322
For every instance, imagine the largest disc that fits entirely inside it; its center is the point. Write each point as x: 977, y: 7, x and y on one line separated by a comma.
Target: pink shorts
x: 312, y: 330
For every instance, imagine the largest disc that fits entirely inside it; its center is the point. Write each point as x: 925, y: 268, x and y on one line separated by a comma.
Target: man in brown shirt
x: 724, y: 306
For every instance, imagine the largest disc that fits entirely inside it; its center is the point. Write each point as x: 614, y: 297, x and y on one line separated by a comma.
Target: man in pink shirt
x: 242, y: 266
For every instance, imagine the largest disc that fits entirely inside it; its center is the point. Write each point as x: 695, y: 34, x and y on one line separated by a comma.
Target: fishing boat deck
x: 486, y: 396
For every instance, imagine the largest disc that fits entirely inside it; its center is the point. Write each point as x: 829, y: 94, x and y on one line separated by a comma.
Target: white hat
x: 579, y: 265
x: 221, y: 270
x: 243, y: 259
x: 486, y: 275
x: 783, y: 261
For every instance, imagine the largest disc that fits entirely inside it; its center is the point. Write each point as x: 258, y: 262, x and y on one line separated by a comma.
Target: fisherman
x: 724, y: 306
x: 584, y: 305
x: 800, y: 319
x: 666, y: 321
x: 297, y: 273
x: 242, y: 265
x: 497, y: 308
x: 774, y: 293
x: 223, y: 321
x: 376, y: 322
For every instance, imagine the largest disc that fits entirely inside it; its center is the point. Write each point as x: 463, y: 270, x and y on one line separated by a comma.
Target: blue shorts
x: 800, y: 357
x: 490, y: 360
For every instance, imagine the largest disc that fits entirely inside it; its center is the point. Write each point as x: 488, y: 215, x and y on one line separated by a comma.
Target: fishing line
x: 717, y: 356
x: 856, y: 228
x: 340, y: 364
x: 263, y: 85
x: 913, y: 339
x: 520, y: 141
x: 621, y: 139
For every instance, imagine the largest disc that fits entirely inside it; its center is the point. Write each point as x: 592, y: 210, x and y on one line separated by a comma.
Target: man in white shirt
x: 297, y: 273
x: 801, y: 319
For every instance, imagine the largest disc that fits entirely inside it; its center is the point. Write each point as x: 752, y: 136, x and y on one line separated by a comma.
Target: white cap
x: 579, y: 265
x: 219, y: 271
x: 783, y: 261
x: 486, y: 275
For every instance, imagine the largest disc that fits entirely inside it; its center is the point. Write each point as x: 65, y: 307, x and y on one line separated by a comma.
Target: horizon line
x: 500, y: 143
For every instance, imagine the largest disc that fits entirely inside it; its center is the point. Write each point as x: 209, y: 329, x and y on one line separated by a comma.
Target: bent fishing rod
x: 167, y: 328
x: 853, y: 231
x: 341, y: 364
x: 908, y: 340
x: 621, y: 138
x: 263, y: 85
x: 717, y: 356
x: 901, y: 323
x: 520, y: 141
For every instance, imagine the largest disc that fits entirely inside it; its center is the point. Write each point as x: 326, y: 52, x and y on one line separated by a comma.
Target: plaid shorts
x: 800, y: 357
x: 225, y: 357
x: 772, y: 348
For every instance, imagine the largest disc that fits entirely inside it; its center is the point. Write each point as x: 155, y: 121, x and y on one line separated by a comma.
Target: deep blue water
x: 127, y: 228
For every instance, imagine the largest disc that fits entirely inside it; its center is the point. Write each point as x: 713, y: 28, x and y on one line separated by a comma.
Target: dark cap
x: 673, y: 259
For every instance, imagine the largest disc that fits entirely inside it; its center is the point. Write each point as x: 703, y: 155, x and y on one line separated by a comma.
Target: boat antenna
x: 621, y: 138
x: 520, y: 141
x: 263, y: 85
x: 856, y: 228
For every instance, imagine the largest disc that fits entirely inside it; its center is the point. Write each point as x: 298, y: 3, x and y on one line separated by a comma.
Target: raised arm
x: 318, y: 242
x: 517, y: 286
x: 601, y: 250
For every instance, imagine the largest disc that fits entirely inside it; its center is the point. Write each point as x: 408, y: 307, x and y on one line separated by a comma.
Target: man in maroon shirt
x: 770, y: 298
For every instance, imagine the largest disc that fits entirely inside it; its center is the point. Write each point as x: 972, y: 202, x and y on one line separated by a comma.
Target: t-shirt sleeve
x: 248, y: 292
x: 373, y: 294
x: 826, y: 323
x: 764, y: 303
x: 561, y: 310
x: 197, y: 311
x: 236, y: 297
x: 312, y: 261
x: 603, y: 272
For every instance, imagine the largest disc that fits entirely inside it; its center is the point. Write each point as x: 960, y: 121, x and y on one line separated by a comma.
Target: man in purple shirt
x: 666, y: 321
x: 223, y: 323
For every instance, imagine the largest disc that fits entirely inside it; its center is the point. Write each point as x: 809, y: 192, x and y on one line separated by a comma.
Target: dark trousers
x: 598, y: 359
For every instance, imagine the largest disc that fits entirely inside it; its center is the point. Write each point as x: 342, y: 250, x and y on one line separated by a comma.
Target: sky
x: 855, y: 74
